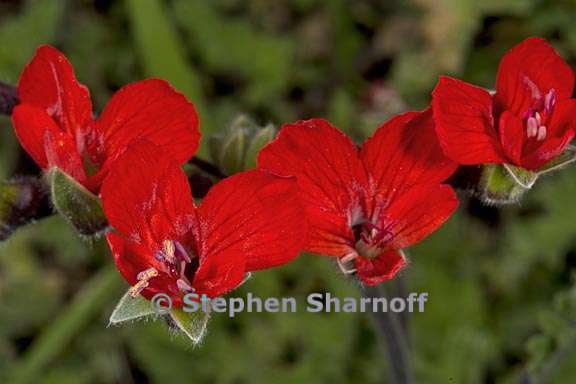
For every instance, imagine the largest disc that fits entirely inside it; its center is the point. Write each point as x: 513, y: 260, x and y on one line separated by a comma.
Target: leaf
x: 36, y: 24
x: 163, y: 55
x: 131, y: 308
x: 192, y: 324
x: 231, y: 46
x: 82, y: 209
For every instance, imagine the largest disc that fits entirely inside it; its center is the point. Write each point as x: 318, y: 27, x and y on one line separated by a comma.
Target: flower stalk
x: 393, y: 338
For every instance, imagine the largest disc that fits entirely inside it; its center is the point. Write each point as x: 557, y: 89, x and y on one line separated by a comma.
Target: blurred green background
x: 502, y: 295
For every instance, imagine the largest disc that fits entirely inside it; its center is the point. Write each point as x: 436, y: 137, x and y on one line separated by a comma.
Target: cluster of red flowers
x: 313, y: 189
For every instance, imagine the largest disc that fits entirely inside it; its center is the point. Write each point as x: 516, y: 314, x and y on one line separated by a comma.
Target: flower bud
x: 22, y: 200
x: 238, y: 149
x: 259, y: 140
x: 81, y: 208
x: 233, y: 151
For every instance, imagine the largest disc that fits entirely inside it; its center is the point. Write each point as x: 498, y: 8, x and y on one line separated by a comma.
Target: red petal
x: 48, y: 82
x: 330, y: 176
x: 512, y: 133
x: 248, y: 222
x: 550, y: 149
x: 46, y: 143
x: 381, y: 268
x: 464, y: 123
x: 417, y: 213
x: 563, y: 118
x: 153, y: 111
x: 404, y: 152
x: 147, y: 198
x: 561, y: 129
x: 528, y: 70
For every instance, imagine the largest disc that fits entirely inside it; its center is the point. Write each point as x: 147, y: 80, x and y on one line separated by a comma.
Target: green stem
x: 87, y: 304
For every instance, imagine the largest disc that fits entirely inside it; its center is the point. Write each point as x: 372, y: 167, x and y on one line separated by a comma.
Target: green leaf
x: 163, y: 55
x: 522, y: 176
x: 131, y: 308
x: 259, y: 140
x: 82, y: 209
x: 192, y: 324
x: 68, y: 326
x: 36, y: 24
x: 230, y: 45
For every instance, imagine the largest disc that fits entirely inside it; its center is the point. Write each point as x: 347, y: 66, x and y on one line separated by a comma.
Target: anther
x: 541, y: 133
x: 549, y: 101
x: 182, y: 251
x: 183, y: 285
x: 143, y: 281
x: 532, y: 127
x: 169, y: 251
x: 344, y: 263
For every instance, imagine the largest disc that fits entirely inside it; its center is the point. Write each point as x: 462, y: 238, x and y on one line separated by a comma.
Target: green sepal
x: 565, y: 158
x: 504, y: 184
x: 131, y: 308
x: 259, y: 140
x: 80, y: 207
x: 522, y: 176
x: 192, y: 324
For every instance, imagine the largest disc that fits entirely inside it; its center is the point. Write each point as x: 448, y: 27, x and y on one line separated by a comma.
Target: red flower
x: 165, y: 244
x: 365, y: 205
x: 528, y: 121
x: 54, y: 121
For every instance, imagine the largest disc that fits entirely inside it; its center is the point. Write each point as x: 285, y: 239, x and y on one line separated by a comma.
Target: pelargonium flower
x: 364, y: 205
x: 166, y: 244
x: 55, y: 124
x: 528, y: 122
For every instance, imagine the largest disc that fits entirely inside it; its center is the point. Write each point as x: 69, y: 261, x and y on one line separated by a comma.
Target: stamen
x: 533, y: 88
x: 538, y: 118
x: 343, y: 261
x: 532, y: 127
x: 169, y: 250
x: 541, y: 133
x: 182, y: 252
x: 549, y: 101
x: 184, y: 285
x: 143, y: 281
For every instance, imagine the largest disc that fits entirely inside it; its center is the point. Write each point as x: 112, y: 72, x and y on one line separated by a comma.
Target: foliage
x: 499, y: 279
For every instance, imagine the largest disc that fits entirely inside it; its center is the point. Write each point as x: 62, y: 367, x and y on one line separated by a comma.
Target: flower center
x: 178, y: 262
x: 370, y: 239
x: 537, y: 116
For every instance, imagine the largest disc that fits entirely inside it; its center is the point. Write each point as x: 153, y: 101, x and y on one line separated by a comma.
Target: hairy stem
x: 392, y: 336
